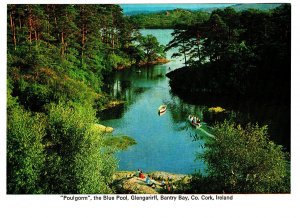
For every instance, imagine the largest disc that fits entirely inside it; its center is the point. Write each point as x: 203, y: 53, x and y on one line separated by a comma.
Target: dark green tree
x: 151, y: 47
x: 180, y: 41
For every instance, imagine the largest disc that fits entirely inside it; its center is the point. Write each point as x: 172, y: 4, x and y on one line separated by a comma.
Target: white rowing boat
x: 194, y: 121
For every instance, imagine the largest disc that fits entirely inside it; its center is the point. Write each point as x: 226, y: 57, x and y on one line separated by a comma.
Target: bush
x: 47, y: 86
x: 245, y: 160
x: 25, y: 151
x: 77, y: 152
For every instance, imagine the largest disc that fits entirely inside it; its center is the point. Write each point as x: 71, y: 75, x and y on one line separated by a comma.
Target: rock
x: 119, y: 142
x: 159, y: 175
x: 102, y: 128
x: 216, y: 109
x: 136, y: 185
x: 113, y: 104
x: 126, y: 182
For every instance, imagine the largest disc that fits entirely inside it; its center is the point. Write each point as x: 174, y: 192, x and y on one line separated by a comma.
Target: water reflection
x: 169, y: 142
x: 268, y: 111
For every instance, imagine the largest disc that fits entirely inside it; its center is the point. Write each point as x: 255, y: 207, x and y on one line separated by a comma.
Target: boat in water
x: 195, y: 121
x: 162, y: 109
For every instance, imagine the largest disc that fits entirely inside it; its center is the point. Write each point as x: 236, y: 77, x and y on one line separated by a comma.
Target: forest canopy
x: 56, y: 59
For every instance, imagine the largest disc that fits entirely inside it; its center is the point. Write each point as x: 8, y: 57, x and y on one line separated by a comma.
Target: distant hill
x: 242, y: 7
x: 134, y: 9
x: 166, y: 19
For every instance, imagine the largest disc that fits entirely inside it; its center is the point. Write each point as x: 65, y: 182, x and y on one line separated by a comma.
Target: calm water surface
x: 168, y: 142
x: 164, y: 143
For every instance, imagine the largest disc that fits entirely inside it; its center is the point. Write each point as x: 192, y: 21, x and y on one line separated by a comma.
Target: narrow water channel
x: 164, y: 143
x: 169, y: 142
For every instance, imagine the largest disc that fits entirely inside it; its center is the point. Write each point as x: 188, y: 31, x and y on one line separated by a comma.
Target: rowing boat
x: 162, y: 109
x: 192, y: 122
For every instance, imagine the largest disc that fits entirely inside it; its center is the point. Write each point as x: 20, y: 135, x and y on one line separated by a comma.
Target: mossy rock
x: 216, y: 109
x: 113, y: 104
x: 102, y: 128
x: 120, y: 142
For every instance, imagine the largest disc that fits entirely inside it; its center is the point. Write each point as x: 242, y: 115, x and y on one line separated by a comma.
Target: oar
x: 210, y: 135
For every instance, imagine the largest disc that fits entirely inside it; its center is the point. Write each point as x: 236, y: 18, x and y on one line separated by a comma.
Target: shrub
x: 25, y: 151
x: 245, y: 160
x: 85, y: 165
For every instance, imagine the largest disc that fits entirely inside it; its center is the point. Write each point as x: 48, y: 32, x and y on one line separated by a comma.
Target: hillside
x: 263, y: 7
x: 131, y: 10
x: 168, y: 19
x: 134, y: 9
x: 165, y: 19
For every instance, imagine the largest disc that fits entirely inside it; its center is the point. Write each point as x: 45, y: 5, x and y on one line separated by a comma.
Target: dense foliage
x: 56, y: 59
x: 168, y: 19
x: 241, y: 59
x: 244, y: 160
x: 236, y: 53
x: 244, y: 56
x: 58, y: 55
x: 77, y: 152
x: 153, y: 50
x: 25, y: 150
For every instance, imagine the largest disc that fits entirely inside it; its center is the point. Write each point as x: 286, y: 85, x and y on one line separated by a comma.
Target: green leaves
x: 168, y: 19
x: 85, y: 164
x: 244, y: 160
x: 60, y: 153
x: 237, y: 53
x: 57, y: 56
x: 151, y: 47
x: 25, y: 151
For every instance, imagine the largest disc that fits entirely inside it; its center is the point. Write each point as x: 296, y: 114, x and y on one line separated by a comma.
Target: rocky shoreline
x: 128, y: 182
x: 144, y: 63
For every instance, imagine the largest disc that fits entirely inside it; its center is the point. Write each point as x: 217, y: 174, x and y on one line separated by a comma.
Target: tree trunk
x: 62, y: 44
x: 36, y: 38
x: 198, y: 48
x: 113, y: 40
x: 30, y: 25
x: 13, y: 30
x: 83, y: 44
x: 198, y: 51
x: 184, y: 51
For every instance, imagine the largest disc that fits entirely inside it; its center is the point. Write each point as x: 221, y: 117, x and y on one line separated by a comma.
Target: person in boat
x: 191, y: 118
x: 195, y: 120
